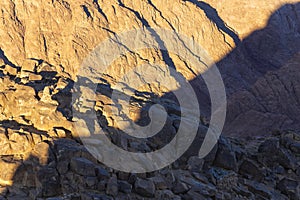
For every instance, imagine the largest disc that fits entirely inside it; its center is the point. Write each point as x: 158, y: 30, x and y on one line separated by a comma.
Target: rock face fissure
x: 212, y: 14
x: 44, y: 45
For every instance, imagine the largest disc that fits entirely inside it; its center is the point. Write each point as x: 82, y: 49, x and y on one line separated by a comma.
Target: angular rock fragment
x: 290, y: 187
x: 82, y: 166
x: 112, y: 186
x: 10, y: 70
x: 225, y: 156
x: 29, y: 65
x: 125, y: 187
x: 144, y: 188
x: 251, y: 169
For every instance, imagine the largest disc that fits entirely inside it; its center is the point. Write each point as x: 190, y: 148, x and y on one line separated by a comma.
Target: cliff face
x: 61, y: 34
x: 44, y: 47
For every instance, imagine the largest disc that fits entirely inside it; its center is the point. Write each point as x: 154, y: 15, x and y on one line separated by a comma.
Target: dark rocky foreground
x: 252, y: 168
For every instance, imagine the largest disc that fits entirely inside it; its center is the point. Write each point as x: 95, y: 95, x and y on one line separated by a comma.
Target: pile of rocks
x: 42, y: 159
x: 256, y: 168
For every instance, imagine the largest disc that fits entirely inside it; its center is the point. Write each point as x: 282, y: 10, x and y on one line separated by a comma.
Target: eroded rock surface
x: 258, y: 59
x: 64, y: 169
x: 42, y: 46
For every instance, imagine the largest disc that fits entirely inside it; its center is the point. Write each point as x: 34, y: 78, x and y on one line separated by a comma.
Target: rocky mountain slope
x: 261, y: 168
x: 63, y: 33
x: 255, y: 45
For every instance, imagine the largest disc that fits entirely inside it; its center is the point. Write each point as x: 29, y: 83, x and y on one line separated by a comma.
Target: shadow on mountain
x: 212, y: 14
x: 261, y: 77
x: 262, y: 53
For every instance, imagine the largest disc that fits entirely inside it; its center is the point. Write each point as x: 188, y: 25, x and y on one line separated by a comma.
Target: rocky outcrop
x: 64, y: 169
x: 43, y: 45
x: 256, y: 53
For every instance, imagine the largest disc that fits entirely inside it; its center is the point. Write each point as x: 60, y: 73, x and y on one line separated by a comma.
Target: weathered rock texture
x: 255, y: 45
x: 261, y: 168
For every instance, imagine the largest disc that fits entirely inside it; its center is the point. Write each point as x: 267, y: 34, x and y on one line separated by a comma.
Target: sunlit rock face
x: 246, y: 40
x: 43, y: 47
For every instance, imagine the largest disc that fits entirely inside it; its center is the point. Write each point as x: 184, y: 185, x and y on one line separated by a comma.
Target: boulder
x: 195, y: 163
x: 102, y: 173
x: 159, y: 182
x: 29, y: 65
x: 145, y: 188
x: 251, y: 170
x: 271, y: 154
x: 225, y: 157
x: 50, y: 182
x: 82, y: 166
x: 289, y: 187
x: 112, y: 186
x: 180, y: 188
x: 125, y: 187
x: 295, y: 147
x: 11, y: 70
x: 34, y: 77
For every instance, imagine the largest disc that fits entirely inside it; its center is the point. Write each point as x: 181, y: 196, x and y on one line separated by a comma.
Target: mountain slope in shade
x: 255, y: 45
